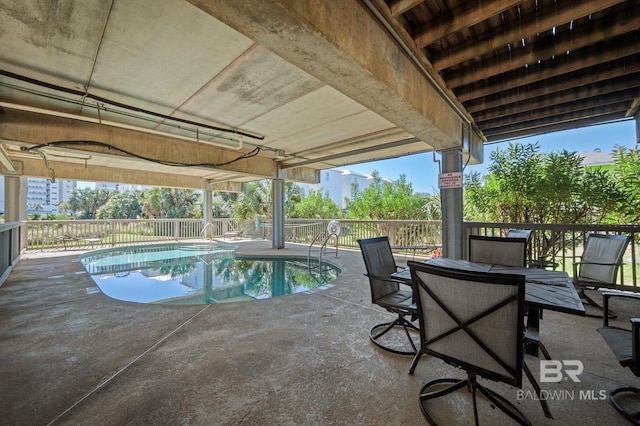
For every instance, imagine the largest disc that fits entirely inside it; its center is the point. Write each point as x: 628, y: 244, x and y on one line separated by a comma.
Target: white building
x: 42, y: 194
x: 338, y: 184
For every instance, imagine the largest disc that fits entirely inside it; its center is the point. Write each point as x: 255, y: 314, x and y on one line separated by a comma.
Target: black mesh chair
x: 510, y: 251
x: 519, y: 233
x: 625, y: 345
x: 598, y: 267
x: 386, y: 292
x: 498, y: 250
x: 475, y: 322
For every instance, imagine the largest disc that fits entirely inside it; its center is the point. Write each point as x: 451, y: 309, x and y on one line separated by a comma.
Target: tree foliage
x: 386, y: 200
x: 627, y: 171
x: 526, y: 186
x: 122, y: 205
x: 256, y: 201
x: 85, y: 202
x: 316, y: 205
x: 172, y: 203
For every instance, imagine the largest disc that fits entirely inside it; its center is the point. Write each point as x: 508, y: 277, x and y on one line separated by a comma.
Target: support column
x: 637, y: 117
x: 15, y: 204
x: 208, y: 211
x: 451, y: 198
x: 278, y: 214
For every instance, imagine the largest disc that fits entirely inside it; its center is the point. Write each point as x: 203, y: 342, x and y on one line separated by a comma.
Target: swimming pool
x: 197, y: 273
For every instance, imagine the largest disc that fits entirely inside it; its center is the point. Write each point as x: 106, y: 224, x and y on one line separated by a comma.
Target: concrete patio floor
x: 69, y: 356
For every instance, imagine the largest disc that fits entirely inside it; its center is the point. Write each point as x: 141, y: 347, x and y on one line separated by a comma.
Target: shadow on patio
x: 72, y: 356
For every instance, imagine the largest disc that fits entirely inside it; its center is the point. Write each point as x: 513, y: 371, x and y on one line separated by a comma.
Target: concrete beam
x: 227, y: 187
x: 35, y: 128
x: 368, y: 65
x: 303, y: 174
x: 35, y: 167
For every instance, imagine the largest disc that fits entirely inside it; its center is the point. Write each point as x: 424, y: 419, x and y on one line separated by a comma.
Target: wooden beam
x: 600, y: 73
x: 398, y: 7
x: 544, y: 129
x: 545, y: 50
x: 529, y: 127
x: 621, y: 90
x: 559, y: 109
x: 560, y: 14
x: 470, y: 13
x: 626, y: 46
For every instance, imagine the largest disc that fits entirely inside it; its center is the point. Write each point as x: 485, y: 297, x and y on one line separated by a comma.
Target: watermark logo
x: 554, y: 371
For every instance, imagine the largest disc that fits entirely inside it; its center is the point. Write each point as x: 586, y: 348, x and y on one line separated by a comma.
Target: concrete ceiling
x: 194, y: 92
x: 137, y: 74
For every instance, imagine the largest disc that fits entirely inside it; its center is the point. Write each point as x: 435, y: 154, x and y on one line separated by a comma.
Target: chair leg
x: 632, y: 417
x: 414, y: 363
x: 537, y: 390
x: 498, y: 400
x: 374, y: 335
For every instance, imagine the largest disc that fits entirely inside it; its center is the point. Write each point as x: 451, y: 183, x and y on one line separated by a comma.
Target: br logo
x: 553, y: 371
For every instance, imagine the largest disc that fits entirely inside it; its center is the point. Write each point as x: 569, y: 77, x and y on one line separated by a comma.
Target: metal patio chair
x: 625, y: 345
x: 386, y: 293
x: 598, y: 266
x: 519, y: 233
x: 498, y: 250
x: 474, y: 321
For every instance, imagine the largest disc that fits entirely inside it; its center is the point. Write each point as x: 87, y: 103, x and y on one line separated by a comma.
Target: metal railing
x: 68, y: 234
x: 558, y: 246
x: 555, y: 246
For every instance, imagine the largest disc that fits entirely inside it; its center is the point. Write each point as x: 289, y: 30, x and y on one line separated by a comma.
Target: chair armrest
x: 389, y: 279
x: 606, y: 295
x: 576, y: 264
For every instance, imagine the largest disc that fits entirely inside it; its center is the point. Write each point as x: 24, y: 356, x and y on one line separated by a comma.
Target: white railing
x: 69, y: 234
x: 556, y: 245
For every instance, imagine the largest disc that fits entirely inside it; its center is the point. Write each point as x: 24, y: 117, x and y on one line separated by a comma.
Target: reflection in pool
x: 199, y: 274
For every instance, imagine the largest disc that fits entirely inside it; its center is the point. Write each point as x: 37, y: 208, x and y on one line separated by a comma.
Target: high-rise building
x: 43, y: 195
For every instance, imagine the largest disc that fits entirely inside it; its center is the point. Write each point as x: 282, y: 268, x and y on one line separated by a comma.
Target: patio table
x: 544, y: 289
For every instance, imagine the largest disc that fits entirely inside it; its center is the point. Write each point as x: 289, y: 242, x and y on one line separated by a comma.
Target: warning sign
x: 450, y: 180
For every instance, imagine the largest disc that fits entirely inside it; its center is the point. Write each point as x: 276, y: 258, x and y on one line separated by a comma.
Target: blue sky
x: 422, y: 172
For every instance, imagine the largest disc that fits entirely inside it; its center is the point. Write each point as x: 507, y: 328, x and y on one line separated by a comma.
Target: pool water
x: 199, y: 274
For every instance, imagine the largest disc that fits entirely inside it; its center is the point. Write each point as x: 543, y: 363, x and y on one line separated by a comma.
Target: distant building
x: 597, y: 158
x: 42, y: 194
x: 338, y: 184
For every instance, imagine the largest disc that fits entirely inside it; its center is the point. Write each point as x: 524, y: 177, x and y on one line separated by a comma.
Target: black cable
x: 125, y: 106
x: 249, y: 154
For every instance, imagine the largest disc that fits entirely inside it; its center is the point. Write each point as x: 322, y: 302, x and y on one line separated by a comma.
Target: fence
x: 64, y: 234
x: 556, y: 246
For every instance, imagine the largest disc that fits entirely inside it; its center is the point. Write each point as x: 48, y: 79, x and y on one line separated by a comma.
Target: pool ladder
x: 322, y: 236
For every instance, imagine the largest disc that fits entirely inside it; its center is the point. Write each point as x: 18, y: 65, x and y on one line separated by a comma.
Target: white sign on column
x: 450, y: 180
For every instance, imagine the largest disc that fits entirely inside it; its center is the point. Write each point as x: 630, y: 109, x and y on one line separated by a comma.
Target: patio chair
x: 520, y: 233
x: 386, y: 293
x: 598, y: 267
x: 475, y: 322
x: 625, y: 345
x: 498, y: 250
